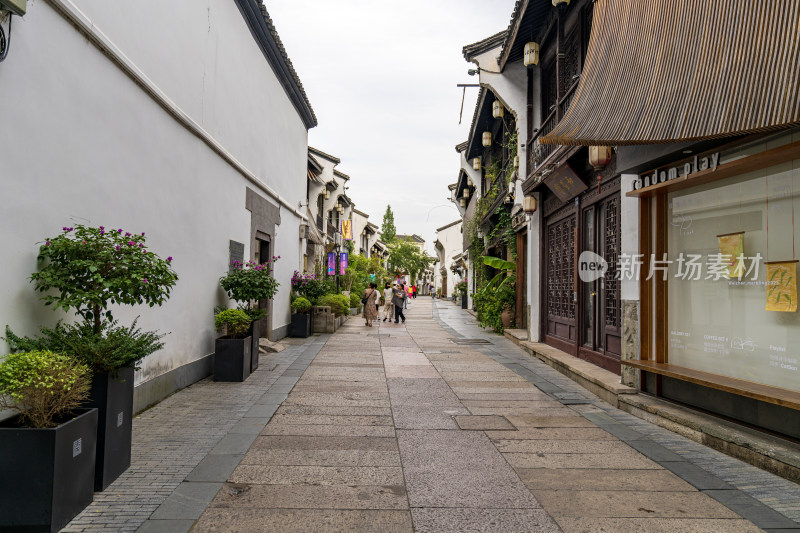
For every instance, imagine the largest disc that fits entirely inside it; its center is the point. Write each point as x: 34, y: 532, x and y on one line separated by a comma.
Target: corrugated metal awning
x: 678, y: 70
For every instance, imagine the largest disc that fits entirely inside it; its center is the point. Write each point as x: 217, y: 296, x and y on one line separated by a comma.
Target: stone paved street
x: 398, y: 428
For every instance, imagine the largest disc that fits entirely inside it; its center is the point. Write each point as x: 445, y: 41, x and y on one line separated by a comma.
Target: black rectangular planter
x: 464, y: 301
x: 47, y: 474
x: 256, y: 329
x: 301, y: 325
x: 232, y: 359
x: 112, y: 395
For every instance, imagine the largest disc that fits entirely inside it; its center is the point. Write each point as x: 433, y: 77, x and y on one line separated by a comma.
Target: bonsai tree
x: 42, y: 386
x: 301, y: 305
x: 87, y: 269
x: 235, y: 321
x: 248, y: 282
x: 90, y: 268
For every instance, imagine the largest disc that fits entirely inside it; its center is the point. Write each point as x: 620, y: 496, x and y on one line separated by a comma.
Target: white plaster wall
x: 80, y: 142
x: 451, y: 240
x: 535, y: 332
x: 629, y: 230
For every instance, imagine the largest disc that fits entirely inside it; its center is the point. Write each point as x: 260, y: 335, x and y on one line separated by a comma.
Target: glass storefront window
x: 722, y: 325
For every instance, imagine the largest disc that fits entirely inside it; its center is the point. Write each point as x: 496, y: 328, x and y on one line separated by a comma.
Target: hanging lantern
x: 476, y: 163
x: 327, y: 194
x: 599, y: 156
x: 466, y: 193
x: 487, y: 138
x: 559, y: 3
x: 529, y: 204
x: 497, y: 109
x: 516, y: 161
x: 511, y: 187
x: 462, y: 202
x: 531, y: 55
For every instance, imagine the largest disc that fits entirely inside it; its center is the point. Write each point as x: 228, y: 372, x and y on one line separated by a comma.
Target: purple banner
x: 331, y: 264
x: 343, y: 263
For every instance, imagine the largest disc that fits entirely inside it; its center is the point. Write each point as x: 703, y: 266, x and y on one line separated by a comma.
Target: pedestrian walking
x: 388, y: 305
x: 370, y: 311
x: 399, y: 299
x: 414, y: 292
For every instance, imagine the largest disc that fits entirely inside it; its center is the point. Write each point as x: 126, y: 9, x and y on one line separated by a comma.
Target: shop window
x: 723, y: 323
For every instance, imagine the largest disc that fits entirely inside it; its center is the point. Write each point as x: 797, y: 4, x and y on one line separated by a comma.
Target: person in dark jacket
x: 398, y: 300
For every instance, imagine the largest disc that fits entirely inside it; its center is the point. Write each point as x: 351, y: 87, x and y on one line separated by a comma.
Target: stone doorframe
x: 265, y: 217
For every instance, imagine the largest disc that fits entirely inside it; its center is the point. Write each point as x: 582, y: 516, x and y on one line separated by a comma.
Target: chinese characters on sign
x: 343, y: 262
x: 331, y: 264
x: 565, y: 183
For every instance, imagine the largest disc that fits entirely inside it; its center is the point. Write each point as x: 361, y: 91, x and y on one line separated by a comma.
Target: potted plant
x: 248, y: 284
x: 87, y: 269
x: 301, y: 319
x: 355, y: 303
x: 233, y: 351
x: 461, y: 288
x: 48, y: 448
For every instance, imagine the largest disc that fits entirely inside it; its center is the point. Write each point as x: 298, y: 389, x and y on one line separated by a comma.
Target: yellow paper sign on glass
x: 732, y: 246
x: 782, y: 287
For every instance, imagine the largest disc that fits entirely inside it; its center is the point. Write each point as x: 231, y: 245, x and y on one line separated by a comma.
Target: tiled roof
x: 410, y: 238
x: 320, y: 153
x: 263, y: 29
x: 474, y: 49
x: 341, y: 175
x: 449, y: 225
x: 460, y: 147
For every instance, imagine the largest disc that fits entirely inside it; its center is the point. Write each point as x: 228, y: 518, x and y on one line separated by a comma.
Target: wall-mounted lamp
x: 529, y: 204
x: 327, y: 194
x: 462, y: 202
x: 14, y: 7
x: 476, y: 163
x: 473, y: 71
x: 516, y: 161
x: 466, y: 193
x: 530, y: 57
x: 487, y: 138
x: 497, y: 109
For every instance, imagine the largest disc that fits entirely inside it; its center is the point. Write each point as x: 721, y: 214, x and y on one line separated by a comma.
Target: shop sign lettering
x: 684, y: 171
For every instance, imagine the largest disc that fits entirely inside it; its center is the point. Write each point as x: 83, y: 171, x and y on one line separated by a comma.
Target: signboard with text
x: 331, y: 264
x: 343, y: 263
x: 347, y: 230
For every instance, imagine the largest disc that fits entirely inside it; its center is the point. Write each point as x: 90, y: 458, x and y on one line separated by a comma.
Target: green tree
x: 388, y: 230
x: 406, y: 257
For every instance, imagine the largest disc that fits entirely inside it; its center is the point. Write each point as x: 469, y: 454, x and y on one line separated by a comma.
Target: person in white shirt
x: 388, y: 306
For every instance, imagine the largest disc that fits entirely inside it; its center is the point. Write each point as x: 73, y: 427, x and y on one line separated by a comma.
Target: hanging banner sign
x: 565, y: 183
x: 331, y: 264
x: 343, y: 262
x: 732, y: 246
x: 782, y: 286
x: 347, y: 230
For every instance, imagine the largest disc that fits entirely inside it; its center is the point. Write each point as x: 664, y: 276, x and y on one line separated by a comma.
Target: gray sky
x: 382, y: 77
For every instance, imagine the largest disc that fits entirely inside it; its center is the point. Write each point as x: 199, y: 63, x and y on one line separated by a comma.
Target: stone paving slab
x: 484, y: 520
x: 313, y: 496
x: 459, y: 469
x: 652, y: 525
x: 607, y: 479
x: 253, y: 518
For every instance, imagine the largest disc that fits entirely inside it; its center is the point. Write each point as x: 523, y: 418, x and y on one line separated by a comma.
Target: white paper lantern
x: 497, y: 109
x: 476, y: 163
x: 487, y: 138
x: 531, y: 54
